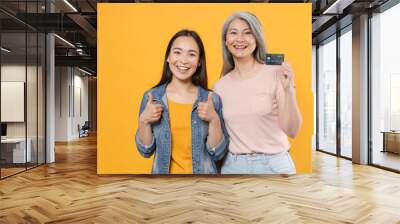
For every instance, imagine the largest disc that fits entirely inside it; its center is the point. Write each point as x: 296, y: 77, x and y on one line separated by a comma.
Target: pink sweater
x: 250, y: 110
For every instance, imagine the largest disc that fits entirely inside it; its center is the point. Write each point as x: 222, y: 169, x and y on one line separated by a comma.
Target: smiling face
x: 240, y: 40
x: 183, y: 59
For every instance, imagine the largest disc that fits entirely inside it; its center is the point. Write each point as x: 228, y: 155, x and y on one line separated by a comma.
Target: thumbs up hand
x: 152, y: 112
x: 206, y: 109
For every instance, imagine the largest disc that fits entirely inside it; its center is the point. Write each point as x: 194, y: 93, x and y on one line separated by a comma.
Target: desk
x: 16, y: 148
x: 391, y: 141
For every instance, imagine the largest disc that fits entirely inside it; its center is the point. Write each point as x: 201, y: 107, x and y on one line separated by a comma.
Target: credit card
x: 274, y: 59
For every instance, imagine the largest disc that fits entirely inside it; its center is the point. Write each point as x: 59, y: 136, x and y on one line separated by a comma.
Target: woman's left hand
x: 286, y: 76
x: 206, y: 109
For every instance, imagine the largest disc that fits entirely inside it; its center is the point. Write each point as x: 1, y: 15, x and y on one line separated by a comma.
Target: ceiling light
x: 337, y: 7
x: 71, y: 6
x: 64, y: 40
x: 5, y: 50
x: 84, y: 71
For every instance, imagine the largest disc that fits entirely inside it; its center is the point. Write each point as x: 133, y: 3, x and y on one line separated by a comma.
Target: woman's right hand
x: 286, y: 76
x: 152, y: 112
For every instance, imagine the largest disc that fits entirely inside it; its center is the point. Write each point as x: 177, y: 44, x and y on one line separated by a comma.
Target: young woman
x: 180, y: 120
x: 260, y: 108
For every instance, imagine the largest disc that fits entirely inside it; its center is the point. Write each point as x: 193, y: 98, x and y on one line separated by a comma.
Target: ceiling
x: 76, y: 22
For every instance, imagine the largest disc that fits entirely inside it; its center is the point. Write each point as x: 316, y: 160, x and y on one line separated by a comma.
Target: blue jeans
x: 280, y: 163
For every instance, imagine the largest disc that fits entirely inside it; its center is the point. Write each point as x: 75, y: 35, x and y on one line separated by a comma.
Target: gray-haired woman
x: 260, y: 107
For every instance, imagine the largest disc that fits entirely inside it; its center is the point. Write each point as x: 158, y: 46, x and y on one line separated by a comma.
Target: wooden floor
x: 70, y: 191
x: 5, y: 172
x: 387, y: 159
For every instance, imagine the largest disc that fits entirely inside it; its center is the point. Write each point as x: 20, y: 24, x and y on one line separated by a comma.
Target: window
x: 346, y: 93
x: 385, y: 88
x: 327, y: 96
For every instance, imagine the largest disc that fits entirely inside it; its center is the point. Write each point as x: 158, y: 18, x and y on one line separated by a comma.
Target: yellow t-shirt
x: 180, y: 120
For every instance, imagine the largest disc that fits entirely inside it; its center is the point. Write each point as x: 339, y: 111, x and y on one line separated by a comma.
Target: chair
x: 84, y: 130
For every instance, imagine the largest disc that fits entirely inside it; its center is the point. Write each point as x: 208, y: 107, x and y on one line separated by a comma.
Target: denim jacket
x: 203, y: 157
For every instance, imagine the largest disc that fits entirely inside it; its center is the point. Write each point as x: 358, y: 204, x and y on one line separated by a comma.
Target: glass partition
x: 14, y: 153
x: 22, y: 88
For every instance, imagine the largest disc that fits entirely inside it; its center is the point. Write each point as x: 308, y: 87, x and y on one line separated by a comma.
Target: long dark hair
x: 199, y: 78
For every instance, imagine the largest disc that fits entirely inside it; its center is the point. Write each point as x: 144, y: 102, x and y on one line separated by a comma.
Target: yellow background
x: 132, y: 39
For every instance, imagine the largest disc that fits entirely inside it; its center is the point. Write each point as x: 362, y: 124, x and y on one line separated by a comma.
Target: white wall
x: 16, y: 73
x: 62, y: 81
x: 81, y: 84
x: 71, y: 93
x: 33, y: 127
x: 12, y: 101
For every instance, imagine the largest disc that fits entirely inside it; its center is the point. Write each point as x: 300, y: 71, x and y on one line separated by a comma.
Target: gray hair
x: 256, y: 29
